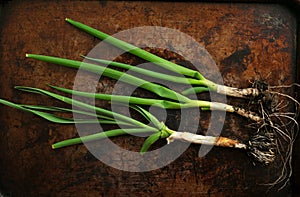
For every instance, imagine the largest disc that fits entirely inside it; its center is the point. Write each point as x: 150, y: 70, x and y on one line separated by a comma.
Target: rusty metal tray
x: 248, y: 41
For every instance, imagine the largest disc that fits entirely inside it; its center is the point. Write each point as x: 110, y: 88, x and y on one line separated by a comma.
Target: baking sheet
x: 247, y: 42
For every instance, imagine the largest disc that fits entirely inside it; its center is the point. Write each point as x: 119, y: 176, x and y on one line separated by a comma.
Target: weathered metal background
x: 247, y: 41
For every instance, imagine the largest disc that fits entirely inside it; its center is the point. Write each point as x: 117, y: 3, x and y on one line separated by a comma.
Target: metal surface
x: 247, y: 41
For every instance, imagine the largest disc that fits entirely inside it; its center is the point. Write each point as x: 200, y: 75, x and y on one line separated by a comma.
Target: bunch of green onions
x: 260, y: 146
x: 157, y: 129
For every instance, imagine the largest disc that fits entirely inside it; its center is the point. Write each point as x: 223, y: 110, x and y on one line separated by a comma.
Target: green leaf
x: 138, y: 101
x: 140, y: 112
x: 114, y: 74
x: 166, y: 77
x: 47, y: 116
x: 205, y: 108
x: 148, y: 116
x: 85, y: 106
x: 195, y: 90
x: 123, y: 99
x: 136, y: 51
x: 149, y: 141
x: 99, y: 136
x: 58, y: 119
x: 66, y: 110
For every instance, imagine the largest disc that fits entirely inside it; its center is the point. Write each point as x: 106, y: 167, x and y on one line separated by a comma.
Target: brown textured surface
x: 247, y: 41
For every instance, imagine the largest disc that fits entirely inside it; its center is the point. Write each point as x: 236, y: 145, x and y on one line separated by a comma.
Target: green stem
x: 136, y: 51
x: 97, y: 118
x: 138, y: 101
x: 98, y: 136
x: 82, y: 105
x: 195, y: 90
x: 166, y: 77
x: 123, y: 99
x: 200, y: 79
x: 114, y: 74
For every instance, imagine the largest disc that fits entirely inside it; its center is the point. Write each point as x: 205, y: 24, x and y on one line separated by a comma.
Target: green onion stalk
x: 193, y: 77
x: 258, y: 147
x: 170, y: 99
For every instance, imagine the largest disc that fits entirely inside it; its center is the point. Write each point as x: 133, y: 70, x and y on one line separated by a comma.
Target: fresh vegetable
x: 258, y: 147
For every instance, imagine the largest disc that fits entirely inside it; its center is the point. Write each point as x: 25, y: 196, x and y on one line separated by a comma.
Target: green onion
x: 201, y: 80
x: 162, y: 91
x: 259, y: 147
x: 114, y: 74
x: 99, y: 136
x: 166, y: 77
x: 136, y: 51
x: 84, y: 106
x: 119, y: 119
x: 97, y: 118
x: 123, y: 99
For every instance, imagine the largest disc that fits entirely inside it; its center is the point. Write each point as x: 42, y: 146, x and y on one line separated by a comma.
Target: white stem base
x: 207, y: 140
x: 232, y: 109
x: 237, y: 92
